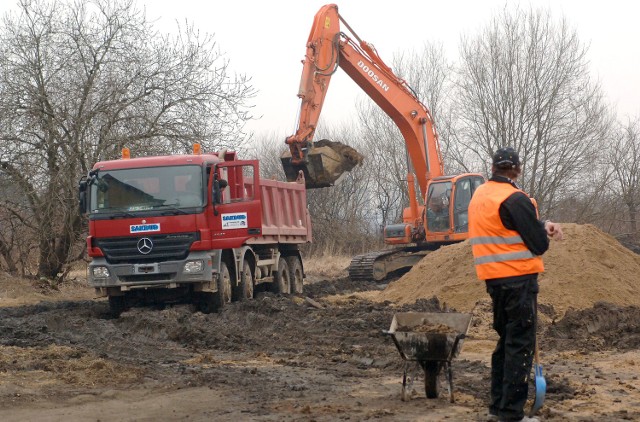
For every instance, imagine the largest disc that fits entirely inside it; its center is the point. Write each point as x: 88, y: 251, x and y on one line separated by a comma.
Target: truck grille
x: 165, y: 247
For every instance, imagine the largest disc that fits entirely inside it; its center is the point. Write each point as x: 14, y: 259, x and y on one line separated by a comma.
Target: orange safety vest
x: 497, y: 251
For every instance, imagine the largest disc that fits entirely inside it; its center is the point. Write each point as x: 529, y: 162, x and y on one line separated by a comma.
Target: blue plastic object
x: 541, y: 386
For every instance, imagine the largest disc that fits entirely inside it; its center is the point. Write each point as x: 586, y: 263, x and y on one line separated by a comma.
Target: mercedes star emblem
x: 145, y: 245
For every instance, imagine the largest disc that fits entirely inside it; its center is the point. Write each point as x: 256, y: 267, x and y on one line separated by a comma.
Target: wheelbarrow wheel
x: 431, y: 375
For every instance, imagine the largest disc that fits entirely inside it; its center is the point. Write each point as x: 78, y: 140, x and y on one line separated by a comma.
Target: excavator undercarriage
x: 378, y: 265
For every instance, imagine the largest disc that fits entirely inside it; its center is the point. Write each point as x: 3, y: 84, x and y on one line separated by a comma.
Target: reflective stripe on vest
x: 503, y: 257
x: 496, y: 240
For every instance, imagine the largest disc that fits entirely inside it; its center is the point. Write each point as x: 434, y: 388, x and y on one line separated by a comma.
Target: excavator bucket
x: 326, y: 162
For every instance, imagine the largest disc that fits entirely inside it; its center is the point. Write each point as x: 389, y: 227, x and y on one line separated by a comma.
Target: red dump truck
x: 203, y: 228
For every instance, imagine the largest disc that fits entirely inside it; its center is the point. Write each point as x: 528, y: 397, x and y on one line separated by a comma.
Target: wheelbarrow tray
x: 432, y: 340
x: 425, y: 336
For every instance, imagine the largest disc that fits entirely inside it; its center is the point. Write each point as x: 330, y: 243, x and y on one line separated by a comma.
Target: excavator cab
x: 324, y: 163
x: 447, y: 206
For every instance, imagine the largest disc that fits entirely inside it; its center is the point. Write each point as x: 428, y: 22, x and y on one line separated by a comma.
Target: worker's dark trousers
x: 514, y: 319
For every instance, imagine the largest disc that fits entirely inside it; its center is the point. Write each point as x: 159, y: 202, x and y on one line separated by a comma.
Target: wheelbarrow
x: 431, y: 340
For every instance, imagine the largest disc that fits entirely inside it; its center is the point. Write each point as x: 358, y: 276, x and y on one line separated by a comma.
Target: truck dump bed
x: 285, y: 217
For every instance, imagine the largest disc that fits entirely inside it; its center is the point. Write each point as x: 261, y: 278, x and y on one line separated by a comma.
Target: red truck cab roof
x: 161, y: 161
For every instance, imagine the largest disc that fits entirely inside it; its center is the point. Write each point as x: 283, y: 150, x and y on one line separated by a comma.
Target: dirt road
x: 280, y: 359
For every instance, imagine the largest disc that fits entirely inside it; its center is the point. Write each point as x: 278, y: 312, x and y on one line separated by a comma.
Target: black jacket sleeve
x: 518, y: 213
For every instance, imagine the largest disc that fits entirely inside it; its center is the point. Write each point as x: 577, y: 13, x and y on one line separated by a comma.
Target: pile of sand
x: 589, y: 266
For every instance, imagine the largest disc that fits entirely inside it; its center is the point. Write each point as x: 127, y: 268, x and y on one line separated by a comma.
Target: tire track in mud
x: 273, y: 349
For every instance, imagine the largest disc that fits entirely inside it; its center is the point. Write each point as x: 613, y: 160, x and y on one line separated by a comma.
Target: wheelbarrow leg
x: 449, y: 372
x: 407, y: 383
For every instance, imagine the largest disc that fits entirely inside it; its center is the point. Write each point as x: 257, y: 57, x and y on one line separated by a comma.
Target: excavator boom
x: 329, y: 48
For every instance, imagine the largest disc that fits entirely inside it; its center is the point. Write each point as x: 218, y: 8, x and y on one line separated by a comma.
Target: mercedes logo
x: 145, y: 245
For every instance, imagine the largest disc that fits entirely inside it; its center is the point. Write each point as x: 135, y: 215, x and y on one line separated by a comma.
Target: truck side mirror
x: 218, y: 185
x: 82, y: 196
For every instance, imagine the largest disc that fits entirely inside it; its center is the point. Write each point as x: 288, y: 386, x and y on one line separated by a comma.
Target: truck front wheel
x: 117, y: 305
x: 211, y: 302
x: 223, y: 296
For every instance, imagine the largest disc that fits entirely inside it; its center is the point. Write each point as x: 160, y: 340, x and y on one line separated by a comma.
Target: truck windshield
x: 141, y: 189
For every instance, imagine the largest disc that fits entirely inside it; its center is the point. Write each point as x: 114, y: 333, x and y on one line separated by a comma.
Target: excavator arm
x: 329, y: 48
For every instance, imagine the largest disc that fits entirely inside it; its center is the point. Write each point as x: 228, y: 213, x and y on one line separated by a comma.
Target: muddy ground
x: 280, y: 358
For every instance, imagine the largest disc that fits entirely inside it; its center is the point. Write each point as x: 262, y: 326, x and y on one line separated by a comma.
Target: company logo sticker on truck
x: 236, y: 220
x: 139, y: 228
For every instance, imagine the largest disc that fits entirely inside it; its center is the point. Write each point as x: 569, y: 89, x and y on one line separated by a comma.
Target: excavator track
x: 377, y: 265
x: 362, y: 267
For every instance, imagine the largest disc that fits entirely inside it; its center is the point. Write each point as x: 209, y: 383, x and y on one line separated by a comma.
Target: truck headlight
x: 100, y: 272
x: 194, y: 266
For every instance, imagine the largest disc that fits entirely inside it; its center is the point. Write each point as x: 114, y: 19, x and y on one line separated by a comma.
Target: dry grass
x: 327, y: 266
x: 17, y: 291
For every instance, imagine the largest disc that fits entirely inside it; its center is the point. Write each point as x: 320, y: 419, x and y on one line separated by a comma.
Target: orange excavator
x: 441, y: 216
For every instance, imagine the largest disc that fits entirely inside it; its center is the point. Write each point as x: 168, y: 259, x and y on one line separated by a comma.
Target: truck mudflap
x: 197, y: 268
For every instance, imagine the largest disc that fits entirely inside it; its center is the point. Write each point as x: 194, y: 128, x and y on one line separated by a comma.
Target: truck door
x: 236, y: 202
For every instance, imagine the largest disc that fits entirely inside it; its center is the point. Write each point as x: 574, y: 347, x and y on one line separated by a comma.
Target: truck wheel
x: 117, y: 305
x: 246, y: 281
x: 295, y: 273
x: 210, y: 302
x: 207, y: 302
x: 281, y: 279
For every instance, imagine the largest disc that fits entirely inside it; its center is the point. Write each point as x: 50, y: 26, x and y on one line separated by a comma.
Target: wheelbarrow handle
x: 395, y: 341
x: 459, y: 337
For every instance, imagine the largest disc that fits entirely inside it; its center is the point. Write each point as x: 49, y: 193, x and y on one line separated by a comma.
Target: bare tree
x: 78, y: 81
x: 624, y: 159
x: 342, y: 218
x: 341, y: 215
x: 268, y: 148
x: 427, y: 72
x: 385, y: 162
x: 524, y: 82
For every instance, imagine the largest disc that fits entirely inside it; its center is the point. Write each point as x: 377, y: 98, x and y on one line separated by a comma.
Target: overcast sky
x: 266, y: 40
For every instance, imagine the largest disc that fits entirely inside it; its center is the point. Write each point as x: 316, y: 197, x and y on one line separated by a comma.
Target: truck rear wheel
x: 281, y: 283
x: 295, y: 274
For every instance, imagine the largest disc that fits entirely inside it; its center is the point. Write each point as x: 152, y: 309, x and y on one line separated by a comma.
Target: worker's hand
x: 554, y: 230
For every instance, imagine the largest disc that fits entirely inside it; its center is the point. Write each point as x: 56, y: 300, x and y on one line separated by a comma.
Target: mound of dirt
x: 602, y: 327
x: 54, y: 364
x: 352, y: 157
x: 589, y: 266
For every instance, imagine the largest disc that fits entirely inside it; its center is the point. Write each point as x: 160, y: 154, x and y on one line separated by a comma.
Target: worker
x: 508, y: 240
